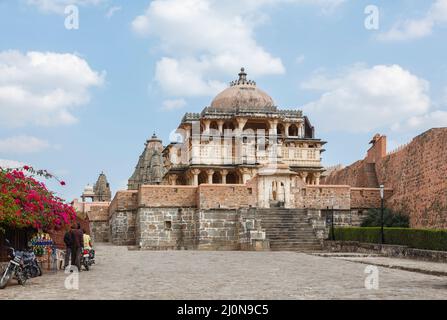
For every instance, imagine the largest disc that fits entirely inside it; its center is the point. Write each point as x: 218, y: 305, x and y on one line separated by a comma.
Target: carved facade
x: 240, y: 175
x: 241, y: 134
x: 150, y: 169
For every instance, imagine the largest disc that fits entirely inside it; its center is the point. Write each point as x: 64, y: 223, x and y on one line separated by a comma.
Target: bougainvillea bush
x: 26, y: 202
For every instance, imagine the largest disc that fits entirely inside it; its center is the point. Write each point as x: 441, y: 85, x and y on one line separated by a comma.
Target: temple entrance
x: 277, y: 195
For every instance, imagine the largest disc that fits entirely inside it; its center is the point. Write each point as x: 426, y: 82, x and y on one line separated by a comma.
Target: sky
x: 84, y: 83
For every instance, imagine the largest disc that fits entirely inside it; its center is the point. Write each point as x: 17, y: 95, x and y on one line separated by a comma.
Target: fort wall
x: 415, y: 173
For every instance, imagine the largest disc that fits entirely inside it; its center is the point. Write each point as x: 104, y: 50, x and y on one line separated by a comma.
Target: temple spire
x: 242, y: 79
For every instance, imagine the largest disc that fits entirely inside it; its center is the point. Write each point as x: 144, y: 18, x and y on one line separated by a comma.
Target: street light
x: 332, y: 218
x: 382, y: 195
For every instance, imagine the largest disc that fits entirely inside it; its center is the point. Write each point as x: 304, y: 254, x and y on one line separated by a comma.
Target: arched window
x: 217, y: 178
x: 293, y: 131
x: 232, y: 178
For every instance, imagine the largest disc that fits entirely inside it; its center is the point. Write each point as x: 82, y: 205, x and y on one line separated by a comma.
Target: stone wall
x: 368, y: 198
x: 322, y: 197
x: 355, y: 175
x: 122, y: 218
x: 167, y: 196
x: 124, y: 200
x: 219, y: 229
x: 99, y: 222
x: 415, y: 173
x: 228, y: 196
x: 100, y: 231
x: 123, y: 227
x: 167, y: 228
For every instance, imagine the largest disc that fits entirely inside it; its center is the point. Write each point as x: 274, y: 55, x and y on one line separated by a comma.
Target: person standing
x: 77, y: 237
x: 68, y: 245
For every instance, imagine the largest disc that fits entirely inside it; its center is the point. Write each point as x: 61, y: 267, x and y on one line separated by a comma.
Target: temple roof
x: 243, y: 94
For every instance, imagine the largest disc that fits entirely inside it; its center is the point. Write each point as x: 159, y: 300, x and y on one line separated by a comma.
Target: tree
x: 26, y: 202
x: 391, y: 219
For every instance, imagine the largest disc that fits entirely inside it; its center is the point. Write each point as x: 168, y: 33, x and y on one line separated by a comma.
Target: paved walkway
x: 123, y: 274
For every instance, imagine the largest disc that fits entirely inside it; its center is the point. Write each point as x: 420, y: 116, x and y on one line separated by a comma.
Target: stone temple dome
x: 242, y: 94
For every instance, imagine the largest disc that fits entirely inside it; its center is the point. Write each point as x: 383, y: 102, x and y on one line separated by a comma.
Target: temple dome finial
x: 242, y: 93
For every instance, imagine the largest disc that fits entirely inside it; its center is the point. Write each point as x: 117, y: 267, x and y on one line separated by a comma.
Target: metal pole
x: 382, y: 235
x: 332, y: 225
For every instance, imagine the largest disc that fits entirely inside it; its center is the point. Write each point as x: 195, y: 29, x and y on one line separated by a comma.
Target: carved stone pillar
x: 220, y: 124
x: 301, y: 130
x: 317, y: 178
x: 210, y: 173
x: 224, y: 174
x: 246, y: 175
x: 304, y: 176
x: 173, y: 179
x: 273, y: 127
x: 195, y: 173
x: 207, y: 125
x: 241, y: 124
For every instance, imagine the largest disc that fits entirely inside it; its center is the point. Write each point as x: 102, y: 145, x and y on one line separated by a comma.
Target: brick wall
x: 167, y: 196
x: 355, y: 175
x: 124, y: 200
x: 417, y: 175
x: 366, y: 198
x: 322, y: 197
x: 225, y: 196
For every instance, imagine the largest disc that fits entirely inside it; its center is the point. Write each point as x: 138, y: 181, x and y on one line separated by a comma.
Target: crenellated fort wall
x: 416, y: 173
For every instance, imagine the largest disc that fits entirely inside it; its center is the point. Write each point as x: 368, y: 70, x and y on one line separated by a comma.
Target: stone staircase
x: 288, y: 229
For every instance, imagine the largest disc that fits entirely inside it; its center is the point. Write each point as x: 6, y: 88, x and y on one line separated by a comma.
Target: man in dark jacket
x: 68, y: 245
x: 77, y: 238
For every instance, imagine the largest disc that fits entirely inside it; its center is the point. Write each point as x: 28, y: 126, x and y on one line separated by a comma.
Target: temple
x: 243, y: 174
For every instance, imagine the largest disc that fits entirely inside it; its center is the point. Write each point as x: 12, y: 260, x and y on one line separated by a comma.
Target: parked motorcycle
x: 32, y: 267
x: 15, y: 269
x: 87, y: 258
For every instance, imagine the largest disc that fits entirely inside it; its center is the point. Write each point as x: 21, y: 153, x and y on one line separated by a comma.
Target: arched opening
x: 214, y: 127
x: 228, y: 125
x: 181, y: 181
x: 280, y: 129
x: 293, y: 131
x: 203, y: 177
x: 232, y: 178
x: 256, y: 125
x: 217, y: 178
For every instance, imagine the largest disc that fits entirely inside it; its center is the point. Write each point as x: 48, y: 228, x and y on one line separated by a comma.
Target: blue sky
x: 78, y: 102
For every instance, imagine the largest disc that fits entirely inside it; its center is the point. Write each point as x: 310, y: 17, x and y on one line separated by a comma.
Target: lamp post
x: 382, y: 195
x: 332, y: 218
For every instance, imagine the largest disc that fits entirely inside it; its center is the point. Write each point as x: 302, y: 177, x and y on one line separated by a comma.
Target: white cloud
x: 362, y: 99
x: 435, y: 119
x: 112, y: 11
x: 42, y: 88
x: 4, y: 163
x: 418, y: 28
x: 58, y: 6
x: 175, y: 104
x: 206, y: 39
x: 22, y: 144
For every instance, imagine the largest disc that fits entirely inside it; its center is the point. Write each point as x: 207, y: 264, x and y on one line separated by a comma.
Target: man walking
x: 77, y: 237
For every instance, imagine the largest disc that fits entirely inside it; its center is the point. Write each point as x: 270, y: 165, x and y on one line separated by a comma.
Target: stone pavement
x: 432, y: 268
x: 124, y: 274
